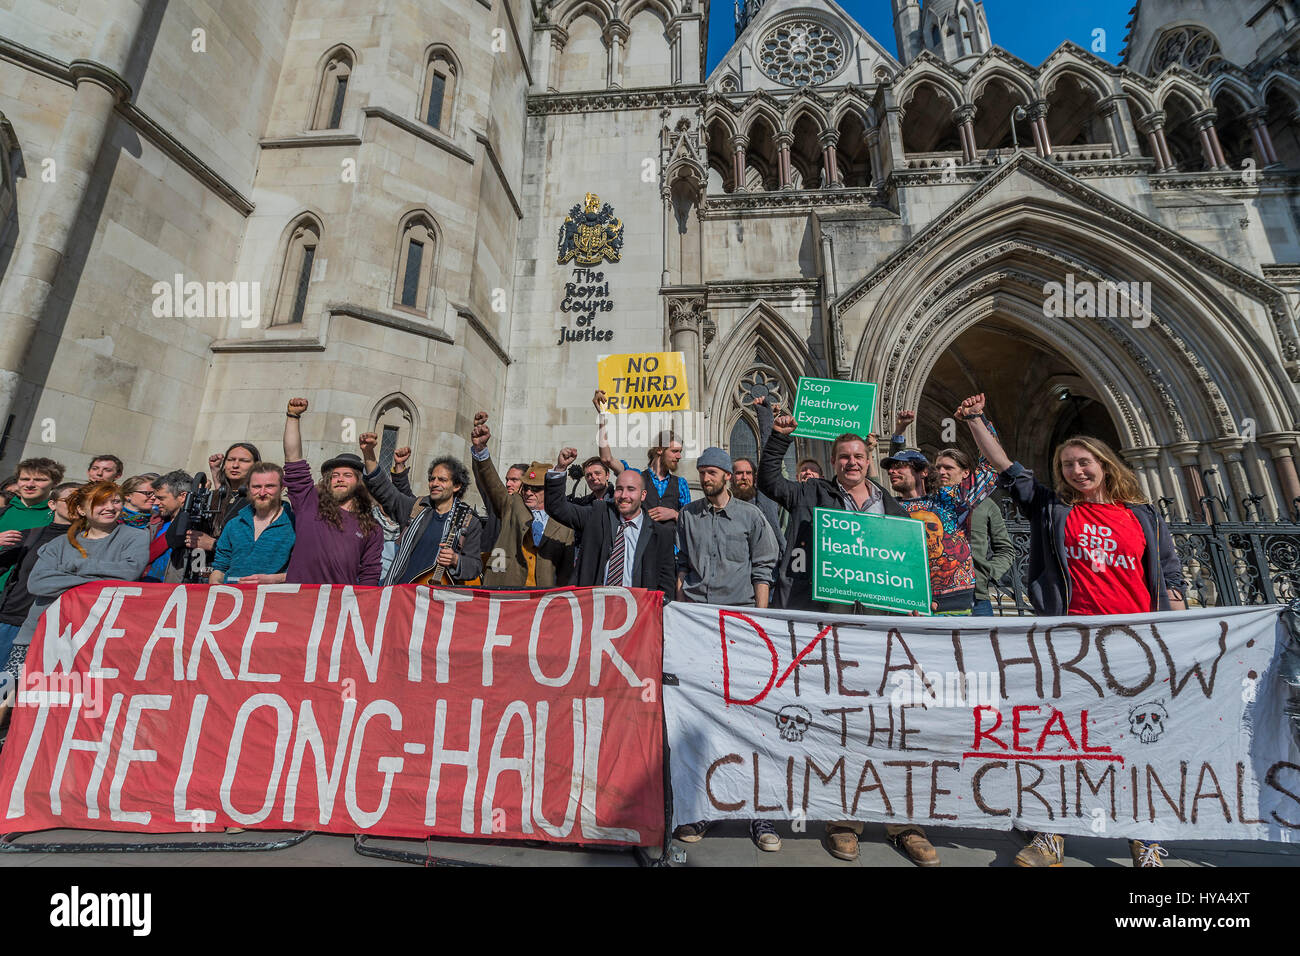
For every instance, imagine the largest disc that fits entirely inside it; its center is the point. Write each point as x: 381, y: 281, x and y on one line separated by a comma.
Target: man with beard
x: 599, y: 485
x: 621, y: 546
x: 726, y: 553
x: 255, y: 545
x: 666, y: 492
x: 338, y: 539
x: 743, y: 475
x: 426, y: 541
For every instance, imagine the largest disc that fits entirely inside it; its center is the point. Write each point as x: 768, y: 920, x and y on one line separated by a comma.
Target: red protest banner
x: 400, y: 711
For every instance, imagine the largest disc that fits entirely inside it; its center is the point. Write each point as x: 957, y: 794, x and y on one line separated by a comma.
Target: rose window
x: 1192, y: 49
x: 801, y: 53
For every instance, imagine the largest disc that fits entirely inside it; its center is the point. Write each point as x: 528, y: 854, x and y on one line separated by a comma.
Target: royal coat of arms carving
x: 590, y: 233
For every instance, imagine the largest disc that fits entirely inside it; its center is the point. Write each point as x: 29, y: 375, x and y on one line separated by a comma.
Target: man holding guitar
x: 440, y: 542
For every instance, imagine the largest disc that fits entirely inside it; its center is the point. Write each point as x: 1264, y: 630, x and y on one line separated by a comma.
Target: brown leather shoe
x: 842, y: 842
x: 913, y: 843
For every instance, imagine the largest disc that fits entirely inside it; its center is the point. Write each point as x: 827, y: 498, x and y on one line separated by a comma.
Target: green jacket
x: 988, y: 528
x: 19, y: 517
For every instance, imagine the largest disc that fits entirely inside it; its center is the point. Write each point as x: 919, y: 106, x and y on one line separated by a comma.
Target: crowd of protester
x: 747, y: 541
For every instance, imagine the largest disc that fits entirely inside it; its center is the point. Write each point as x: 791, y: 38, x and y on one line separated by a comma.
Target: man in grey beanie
x: 726, y: 551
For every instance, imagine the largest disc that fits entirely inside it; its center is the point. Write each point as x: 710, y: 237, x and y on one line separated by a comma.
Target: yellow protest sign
x: 642, y: 382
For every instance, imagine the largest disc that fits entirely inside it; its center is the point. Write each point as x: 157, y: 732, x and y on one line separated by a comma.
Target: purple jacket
x: 322, y: 554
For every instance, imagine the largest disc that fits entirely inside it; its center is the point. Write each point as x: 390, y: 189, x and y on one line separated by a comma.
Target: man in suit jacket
x: 535, y: 551
x: 645, y: 558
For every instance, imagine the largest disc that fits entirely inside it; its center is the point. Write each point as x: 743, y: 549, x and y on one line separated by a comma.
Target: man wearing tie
x: 621, y: 546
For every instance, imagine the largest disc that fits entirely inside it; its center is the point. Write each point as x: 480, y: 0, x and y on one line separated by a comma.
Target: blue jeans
x: 983, y: 608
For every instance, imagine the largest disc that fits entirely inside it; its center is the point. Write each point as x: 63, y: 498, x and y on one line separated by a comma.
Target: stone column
x: 783, y: 141
x: 1209, y: 137
x: 1282, y: 448
x: 57, y: 211
x: 1115, y: 117
x: 892, y: 156
x: 873, y: 150
x: 685, y: 318
x: 1258, y: 122
x: 1038, y: 122
x: 829, y: 140
x: 1238, y: 482
x: 965, y: 114
x: 615, y: 35
x: 1143, y: 462
x: 828, y: 268
x: 1185, y: 453
x: 738, y: 144
x: 675, y: 52
x: 1153, y: 126
x: 550, y: 46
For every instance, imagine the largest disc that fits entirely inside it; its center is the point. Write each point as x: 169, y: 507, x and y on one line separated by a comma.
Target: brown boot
x: 917, y: 848
x: 1045, y: 849
x: 842, y: 842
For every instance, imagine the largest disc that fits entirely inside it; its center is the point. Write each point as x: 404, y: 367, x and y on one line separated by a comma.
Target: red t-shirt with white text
x: 1104, y: 548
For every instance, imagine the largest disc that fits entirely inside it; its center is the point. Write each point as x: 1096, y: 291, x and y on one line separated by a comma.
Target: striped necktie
x: 614, y: 571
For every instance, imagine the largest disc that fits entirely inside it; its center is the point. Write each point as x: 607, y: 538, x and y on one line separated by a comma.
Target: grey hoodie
x: 122, y: 555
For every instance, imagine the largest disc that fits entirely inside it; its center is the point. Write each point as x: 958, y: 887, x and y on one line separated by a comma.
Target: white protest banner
x: 1156, y: 727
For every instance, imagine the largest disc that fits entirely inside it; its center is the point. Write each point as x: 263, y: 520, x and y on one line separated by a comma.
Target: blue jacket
x: 238, y: 555
x: 1048, y: 580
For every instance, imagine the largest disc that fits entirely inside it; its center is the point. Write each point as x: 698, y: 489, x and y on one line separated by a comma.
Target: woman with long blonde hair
x: 1096, y: 546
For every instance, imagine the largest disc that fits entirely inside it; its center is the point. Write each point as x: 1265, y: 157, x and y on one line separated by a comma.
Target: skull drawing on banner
x: 793, y: 721
x: 1147, y: 721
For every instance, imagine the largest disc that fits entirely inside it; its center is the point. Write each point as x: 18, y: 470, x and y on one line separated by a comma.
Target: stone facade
x: 393, y: 184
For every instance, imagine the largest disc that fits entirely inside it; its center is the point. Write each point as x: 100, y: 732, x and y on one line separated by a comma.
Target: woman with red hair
x: 96, y: 548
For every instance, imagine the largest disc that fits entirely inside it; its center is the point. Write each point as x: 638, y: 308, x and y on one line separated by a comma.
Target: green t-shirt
x: 19, y: 517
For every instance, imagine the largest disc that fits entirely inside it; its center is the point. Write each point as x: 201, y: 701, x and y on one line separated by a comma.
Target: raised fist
x: 478, y: 438
x: 783, y: 424
x: 297, y: 406
x: 215, y: 461
x: 400, y: 457
x: 368, y: 441
x: 566, y: 458
x: 600, y: 401
x: 903, y: 420
x: 971, y: 407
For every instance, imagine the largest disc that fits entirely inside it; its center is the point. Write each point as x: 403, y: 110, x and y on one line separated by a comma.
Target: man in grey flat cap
x: 726, y: 551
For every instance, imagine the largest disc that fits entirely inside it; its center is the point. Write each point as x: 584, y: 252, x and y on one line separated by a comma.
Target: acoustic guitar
x: 461, y: 515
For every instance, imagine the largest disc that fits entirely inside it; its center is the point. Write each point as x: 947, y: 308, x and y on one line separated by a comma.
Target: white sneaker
x: 764, y: 835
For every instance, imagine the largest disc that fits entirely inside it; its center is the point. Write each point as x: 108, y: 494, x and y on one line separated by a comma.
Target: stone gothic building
x: 206, y: 209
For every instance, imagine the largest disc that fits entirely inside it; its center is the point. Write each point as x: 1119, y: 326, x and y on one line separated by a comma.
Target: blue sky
x: 1031, y: 29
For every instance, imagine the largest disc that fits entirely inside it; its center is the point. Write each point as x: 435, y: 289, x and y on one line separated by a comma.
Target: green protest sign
x: 827, y: 408
x: 879, y: 560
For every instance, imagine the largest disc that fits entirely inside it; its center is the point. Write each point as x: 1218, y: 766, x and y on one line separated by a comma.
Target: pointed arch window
x: 439, y: 95
x: 328, y: 113
x: 394, y: 420
x: 967, y: 35
x: 295, y: 274
x: 417, y: 245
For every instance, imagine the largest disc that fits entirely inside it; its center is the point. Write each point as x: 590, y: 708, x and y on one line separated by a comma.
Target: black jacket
x: 413, y: 515
x: 16, y: 600
x: 794, y: 588
x: 653, y: 564
x: 1048, y: 581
